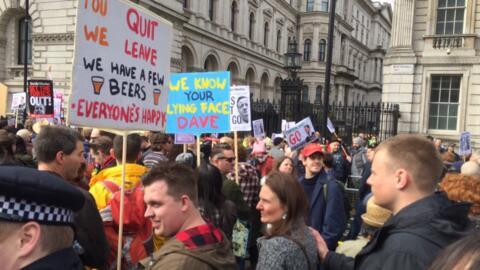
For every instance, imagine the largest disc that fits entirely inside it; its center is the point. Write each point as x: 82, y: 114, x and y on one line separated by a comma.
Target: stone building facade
x: 433, y: 67
x: 246, y: 37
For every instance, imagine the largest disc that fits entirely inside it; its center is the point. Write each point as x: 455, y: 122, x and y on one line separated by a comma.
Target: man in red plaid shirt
x: 171, y: 198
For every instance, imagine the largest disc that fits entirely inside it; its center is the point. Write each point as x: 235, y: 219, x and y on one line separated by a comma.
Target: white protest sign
x: 184, y: 139
x: 121, y: 67
x: 11, y: 121
x: 258, y: 129
x: 300, y: 134
x: 18, y: 100
x: 240, y: 115
x: 465, y: 144
x: 277, y: 135
x: 284, y: 125
x: 290, y: 125
x: 330, y: 126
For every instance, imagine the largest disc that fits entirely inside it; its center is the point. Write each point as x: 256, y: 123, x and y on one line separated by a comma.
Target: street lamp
x: 291, y: 86
x: 292, y: 59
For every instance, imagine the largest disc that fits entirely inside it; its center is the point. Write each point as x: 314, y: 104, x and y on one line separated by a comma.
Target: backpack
x: 137, y: 229
x: 346, y: 203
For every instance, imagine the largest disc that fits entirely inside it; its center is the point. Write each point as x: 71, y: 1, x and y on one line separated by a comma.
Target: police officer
x: 36, y: 220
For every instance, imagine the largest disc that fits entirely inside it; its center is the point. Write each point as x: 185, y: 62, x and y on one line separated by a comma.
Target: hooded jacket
x: 412, y: 238
x: 133, y: 172
x: 175, y: 255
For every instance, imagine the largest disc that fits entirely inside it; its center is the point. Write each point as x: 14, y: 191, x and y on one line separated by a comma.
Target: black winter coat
x: 412, y: 238
x: 64, y: 259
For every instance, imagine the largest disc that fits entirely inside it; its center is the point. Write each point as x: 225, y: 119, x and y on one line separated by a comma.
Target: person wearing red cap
x: 325, y: 197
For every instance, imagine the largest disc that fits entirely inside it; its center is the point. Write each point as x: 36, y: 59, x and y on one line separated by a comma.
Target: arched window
x: 251, y: 26
x: 321, y: 50
x: 234, y: 16
x: 211, y: 9
x: 279, y: 39
x: 305, y: 93
x: 22, y: 42
x: 318, y: 94
x: 307, y: 49
x: 265, y: 35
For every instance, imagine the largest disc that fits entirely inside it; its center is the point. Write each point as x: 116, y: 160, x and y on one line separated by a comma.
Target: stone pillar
x: 400, y: 65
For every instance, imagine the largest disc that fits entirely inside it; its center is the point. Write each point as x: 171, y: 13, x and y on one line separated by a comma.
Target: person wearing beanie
x: 373, y: 219
x: 261, y: 159
x: 359, y: 158
x: 36, y: 220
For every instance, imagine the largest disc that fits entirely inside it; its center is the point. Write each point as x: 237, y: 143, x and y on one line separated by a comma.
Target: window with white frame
x: 279, y: 40
x: 305, y: 93
x: 450, y: 17
x: 321, y: 50
x: 310, y: 5
x: 266, y: 31
x: 251, y: 25
x: 444, y: 101
x: 318, y: 94
x: 324, y: 5
x: 307, y: 49
x: 22, y: 42
x: 211, y: 9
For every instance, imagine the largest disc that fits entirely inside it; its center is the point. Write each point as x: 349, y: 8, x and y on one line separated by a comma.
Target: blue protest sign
x: 465, y: 145
x: 198, y: 103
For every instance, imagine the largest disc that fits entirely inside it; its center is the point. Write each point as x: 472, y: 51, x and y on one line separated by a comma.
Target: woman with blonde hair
x: 288, y: 243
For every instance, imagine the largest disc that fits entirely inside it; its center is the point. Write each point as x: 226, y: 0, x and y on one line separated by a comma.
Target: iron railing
x: 379, y: 120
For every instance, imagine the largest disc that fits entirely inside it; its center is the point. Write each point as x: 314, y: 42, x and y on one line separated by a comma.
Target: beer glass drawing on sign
x: 97, y: 82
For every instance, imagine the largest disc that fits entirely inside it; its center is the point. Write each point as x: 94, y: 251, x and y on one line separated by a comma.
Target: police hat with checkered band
x: 31, y: 195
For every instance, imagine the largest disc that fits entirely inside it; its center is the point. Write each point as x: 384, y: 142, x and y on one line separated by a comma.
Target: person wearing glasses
x: 223, y: 157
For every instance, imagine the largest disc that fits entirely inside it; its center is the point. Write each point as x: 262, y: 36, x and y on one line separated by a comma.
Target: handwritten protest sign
x: 121, y: 67
x: 240, y: 117
x: 258, y: 129
x: 40, y: 98
x: 18, y: 101
x: 465, y: 144
x: 199, y: 103
x: 184, y: 139
x: 301, y: 134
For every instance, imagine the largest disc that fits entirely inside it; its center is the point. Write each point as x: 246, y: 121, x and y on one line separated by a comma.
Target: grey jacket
x: 280, y: 252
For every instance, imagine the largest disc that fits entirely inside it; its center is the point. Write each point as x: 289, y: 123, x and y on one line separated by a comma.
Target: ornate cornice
x: 53, y: 38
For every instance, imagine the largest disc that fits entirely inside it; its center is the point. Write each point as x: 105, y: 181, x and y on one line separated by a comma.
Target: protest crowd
x: 416, y: 203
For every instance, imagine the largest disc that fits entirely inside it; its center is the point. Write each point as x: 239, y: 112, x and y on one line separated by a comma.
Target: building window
x: 211, y: 9
x: 234, y: 15
x: 318, y: 94
x: 185, y: 3
x: 324, y: 5
x: 279, y: 40
x: 321, y: 50
x: 310, y: 5
x: 265, y: 36
x: 305, y: 93
x: 22, y: 42
x: 307, y: 49
x: 444, y: 96
x: 450, y: 15
x: 251, y: 24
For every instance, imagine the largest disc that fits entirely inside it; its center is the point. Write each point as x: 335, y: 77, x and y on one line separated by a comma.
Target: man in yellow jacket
x: 133, y: 171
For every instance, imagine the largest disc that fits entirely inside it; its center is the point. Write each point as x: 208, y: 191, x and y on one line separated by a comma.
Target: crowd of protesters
x: 418, y: 203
